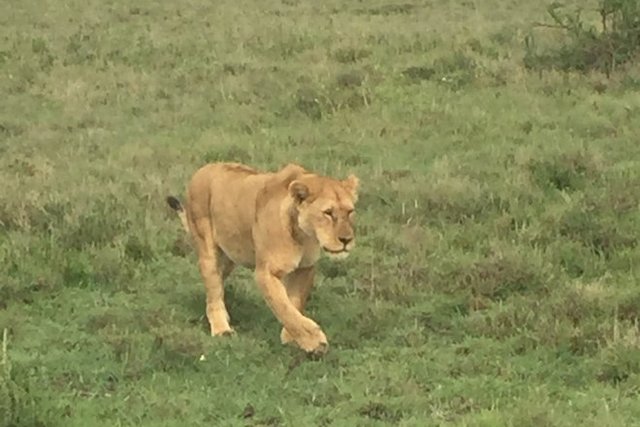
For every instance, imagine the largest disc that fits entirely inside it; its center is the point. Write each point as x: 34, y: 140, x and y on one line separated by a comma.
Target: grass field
x: 495, y: 281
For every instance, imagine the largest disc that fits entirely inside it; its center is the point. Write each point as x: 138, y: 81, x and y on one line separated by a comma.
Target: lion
x: 277, y: 223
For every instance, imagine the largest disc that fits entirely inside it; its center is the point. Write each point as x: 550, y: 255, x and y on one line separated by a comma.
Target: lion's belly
x: 238, y: 246
x: 233, y: 216
x: 240, y: 255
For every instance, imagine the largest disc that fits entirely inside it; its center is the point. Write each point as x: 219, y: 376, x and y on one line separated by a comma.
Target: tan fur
x: 277, y: 223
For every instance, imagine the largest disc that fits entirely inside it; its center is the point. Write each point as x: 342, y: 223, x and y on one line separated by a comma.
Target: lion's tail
x: 175, y: 204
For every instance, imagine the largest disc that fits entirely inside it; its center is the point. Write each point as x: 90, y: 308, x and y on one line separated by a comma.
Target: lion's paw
x: 223, y: 332
x: 314, y: 342
x: 285, y: 337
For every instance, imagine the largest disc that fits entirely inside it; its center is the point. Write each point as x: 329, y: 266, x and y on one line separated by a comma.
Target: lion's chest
x: 310, y: 255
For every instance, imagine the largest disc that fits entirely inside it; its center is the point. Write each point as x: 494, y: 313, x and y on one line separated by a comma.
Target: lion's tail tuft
x: 175, y: 204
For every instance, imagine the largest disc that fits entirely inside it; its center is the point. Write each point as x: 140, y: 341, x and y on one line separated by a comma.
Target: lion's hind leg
x: 214, y: 267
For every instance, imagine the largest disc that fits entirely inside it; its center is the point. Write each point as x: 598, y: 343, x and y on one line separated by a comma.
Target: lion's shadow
x: 248, y: 311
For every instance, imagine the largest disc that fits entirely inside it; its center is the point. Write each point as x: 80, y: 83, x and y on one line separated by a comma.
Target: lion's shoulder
x: 276, y: 186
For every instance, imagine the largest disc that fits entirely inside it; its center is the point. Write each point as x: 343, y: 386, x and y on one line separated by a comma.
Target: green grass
x: 495, y: 281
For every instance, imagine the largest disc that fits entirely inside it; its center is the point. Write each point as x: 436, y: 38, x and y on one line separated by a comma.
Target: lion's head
x: 325, y: 209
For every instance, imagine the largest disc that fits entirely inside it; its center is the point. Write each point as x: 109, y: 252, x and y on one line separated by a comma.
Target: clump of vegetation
x: 587, y: 47
x: 9, y: 391
x: 348, y: 91
x: 455, y: 70
x: 348, y: 55
x: 567, y: 171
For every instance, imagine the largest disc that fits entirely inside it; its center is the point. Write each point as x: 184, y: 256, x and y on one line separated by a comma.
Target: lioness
x: 277, y: 223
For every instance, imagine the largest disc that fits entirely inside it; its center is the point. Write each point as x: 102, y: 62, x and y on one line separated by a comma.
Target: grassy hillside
x: 495, y: 282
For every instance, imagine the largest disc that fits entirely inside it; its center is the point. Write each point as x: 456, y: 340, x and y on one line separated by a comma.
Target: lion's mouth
x: 338, y: 252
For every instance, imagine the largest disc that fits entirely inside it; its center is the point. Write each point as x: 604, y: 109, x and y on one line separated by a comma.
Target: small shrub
x: 567, y: 171
x: 389, y: 9
x: 487, y: 50
x: 308, y: 103
x: 629, y: 308
x: 500, y: 275
x: 457, y: 70
x: 348, y: 91
x: 10, y: 392
x: 380, y: 412
x: 348, y: 154
x: 8, y: 129
x: 569, y: 319
x: 104, y: 267
x: 620, y: 362
x: 99, y: 225
x: 138, y: 249
x: 348, y: 55
x: 107, y: 318
x: 576, y: 259
x: 596, y: 230
x: 175, y: 347
x: 32, y: 215
x: 77, y: 271
x: 333, y: 270
x: 111, y: 269
x: 182, y: 246
x: 81, y: 48
x: 587, y: 48
x: 291, y: 45
x: 234, y: 69
x: 227, y: 153
x: 352, y: 78
x: 14, y: 291
x: 456, y: 199
x: 418, y: 73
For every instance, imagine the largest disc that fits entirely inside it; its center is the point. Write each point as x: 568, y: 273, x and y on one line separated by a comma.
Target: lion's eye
x: 328, y: 213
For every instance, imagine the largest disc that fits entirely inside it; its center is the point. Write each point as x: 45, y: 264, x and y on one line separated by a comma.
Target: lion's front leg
x: 299, y: 284
x: 304, y: 331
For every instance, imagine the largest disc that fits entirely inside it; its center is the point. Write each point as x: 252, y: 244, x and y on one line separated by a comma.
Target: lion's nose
x: 345, y: 240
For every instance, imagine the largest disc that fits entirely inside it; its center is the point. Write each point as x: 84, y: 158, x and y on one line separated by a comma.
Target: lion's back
x: 225, y: 194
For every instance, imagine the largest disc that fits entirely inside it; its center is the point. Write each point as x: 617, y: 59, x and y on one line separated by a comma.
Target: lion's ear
x: 298, y: 191
x: 351, y: 184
